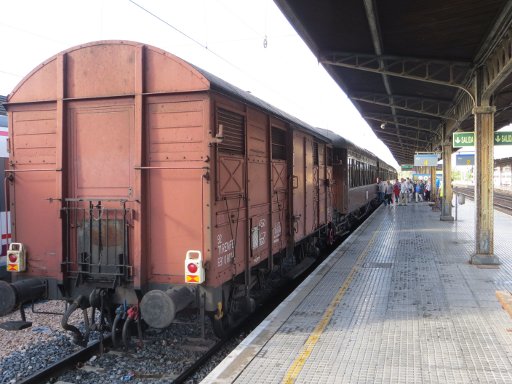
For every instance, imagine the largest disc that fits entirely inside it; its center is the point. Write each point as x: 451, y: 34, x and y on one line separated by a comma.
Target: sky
x: 248, y: 43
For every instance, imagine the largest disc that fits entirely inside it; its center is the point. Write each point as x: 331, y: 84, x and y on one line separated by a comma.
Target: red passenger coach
x: 137, y: 179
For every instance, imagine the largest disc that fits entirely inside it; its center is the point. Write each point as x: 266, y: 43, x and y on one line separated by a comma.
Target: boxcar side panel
x: 280, y: 185
x: 299, y: 186
x: 322, y: 207
x: 33, y: 153
x: 258, y: 184
x: 311, y: 196
x: 229, y: 193
x: 175, y: 153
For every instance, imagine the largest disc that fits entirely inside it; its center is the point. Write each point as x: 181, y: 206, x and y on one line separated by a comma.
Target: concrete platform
x: 398, y: 302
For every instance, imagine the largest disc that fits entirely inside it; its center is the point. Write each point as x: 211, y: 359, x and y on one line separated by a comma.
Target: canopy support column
x: 484, y: 189
x: 446, y: 198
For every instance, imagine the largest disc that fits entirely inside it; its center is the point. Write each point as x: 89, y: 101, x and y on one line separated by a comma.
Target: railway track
x: 502, y: 199
x: 177, y: 354
x: 67, y: 362
x: 101, y: 363
x: 86, y: 366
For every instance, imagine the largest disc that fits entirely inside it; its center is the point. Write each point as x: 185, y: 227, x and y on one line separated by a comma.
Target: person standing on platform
x: 382, y: 191
x: 404, y: 191
x: 428, y: 188
x: 389, y: 193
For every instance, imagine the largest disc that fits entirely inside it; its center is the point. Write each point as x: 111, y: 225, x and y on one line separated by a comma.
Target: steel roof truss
x: 417, y: 139
x: 497, y: 67
x: 408, y: 153
x: 434, y: 71
x: 416, y: 123
x: 419, y: 105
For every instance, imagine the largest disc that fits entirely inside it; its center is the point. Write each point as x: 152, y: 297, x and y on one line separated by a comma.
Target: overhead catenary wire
x: 185, y: 35
x: 205, y: 46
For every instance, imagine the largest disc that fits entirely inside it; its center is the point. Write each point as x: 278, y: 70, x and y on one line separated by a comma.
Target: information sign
x: 503, y: 138
x: 463, y: 139
x: 467, y: 139
x: 465, y: 159
x: 425, y: 160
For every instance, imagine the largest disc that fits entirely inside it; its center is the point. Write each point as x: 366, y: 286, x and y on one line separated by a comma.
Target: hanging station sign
x: 467, y: 139
x: 503, y: 138
x: 463, y: 139
x: 425, y: 160
x: 465, y: 159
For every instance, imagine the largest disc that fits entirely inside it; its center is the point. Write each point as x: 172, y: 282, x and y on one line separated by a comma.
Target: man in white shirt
x: 404, y: 191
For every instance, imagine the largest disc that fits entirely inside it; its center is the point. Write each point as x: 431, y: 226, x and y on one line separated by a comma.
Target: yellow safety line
x: 505, y: 299
x: 306, y: 350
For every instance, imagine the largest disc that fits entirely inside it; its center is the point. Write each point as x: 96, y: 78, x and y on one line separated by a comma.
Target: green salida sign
x: 502, y: 138
x: 467, y: 139
x: 463, y: 139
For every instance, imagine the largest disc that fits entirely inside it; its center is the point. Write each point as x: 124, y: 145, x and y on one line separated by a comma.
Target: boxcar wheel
x: 221, y: 327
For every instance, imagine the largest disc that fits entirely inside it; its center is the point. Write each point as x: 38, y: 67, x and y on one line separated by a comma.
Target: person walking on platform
x: 389, y: 193
x: 404, y: 191
x: 396, y: 192
x: 419, y: 195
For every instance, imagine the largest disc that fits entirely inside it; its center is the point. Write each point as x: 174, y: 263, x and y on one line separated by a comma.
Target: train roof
x: 215, y: 83
x: 220, y: 85
x: 341, y: 142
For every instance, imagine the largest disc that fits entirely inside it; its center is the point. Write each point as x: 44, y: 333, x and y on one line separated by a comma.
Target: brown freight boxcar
x: 139, y: 179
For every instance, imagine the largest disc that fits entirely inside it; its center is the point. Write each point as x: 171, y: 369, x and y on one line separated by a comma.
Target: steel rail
x: 54, y: 369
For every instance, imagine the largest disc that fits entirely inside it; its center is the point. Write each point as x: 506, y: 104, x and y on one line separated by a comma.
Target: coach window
x: 315, y: 153
x: 359, y: 173
x: 351, y: 172
x: 356, y: 173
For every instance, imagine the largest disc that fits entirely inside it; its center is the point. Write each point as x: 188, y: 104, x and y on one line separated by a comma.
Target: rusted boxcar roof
x: 378, y: 53
x: 341, y: 142
x: 25, y: 91
x: 222, y: 86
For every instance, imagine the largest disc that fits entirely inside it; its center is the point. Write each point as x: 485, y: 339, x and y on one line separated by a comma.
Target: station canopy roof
x: 409, y: 66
